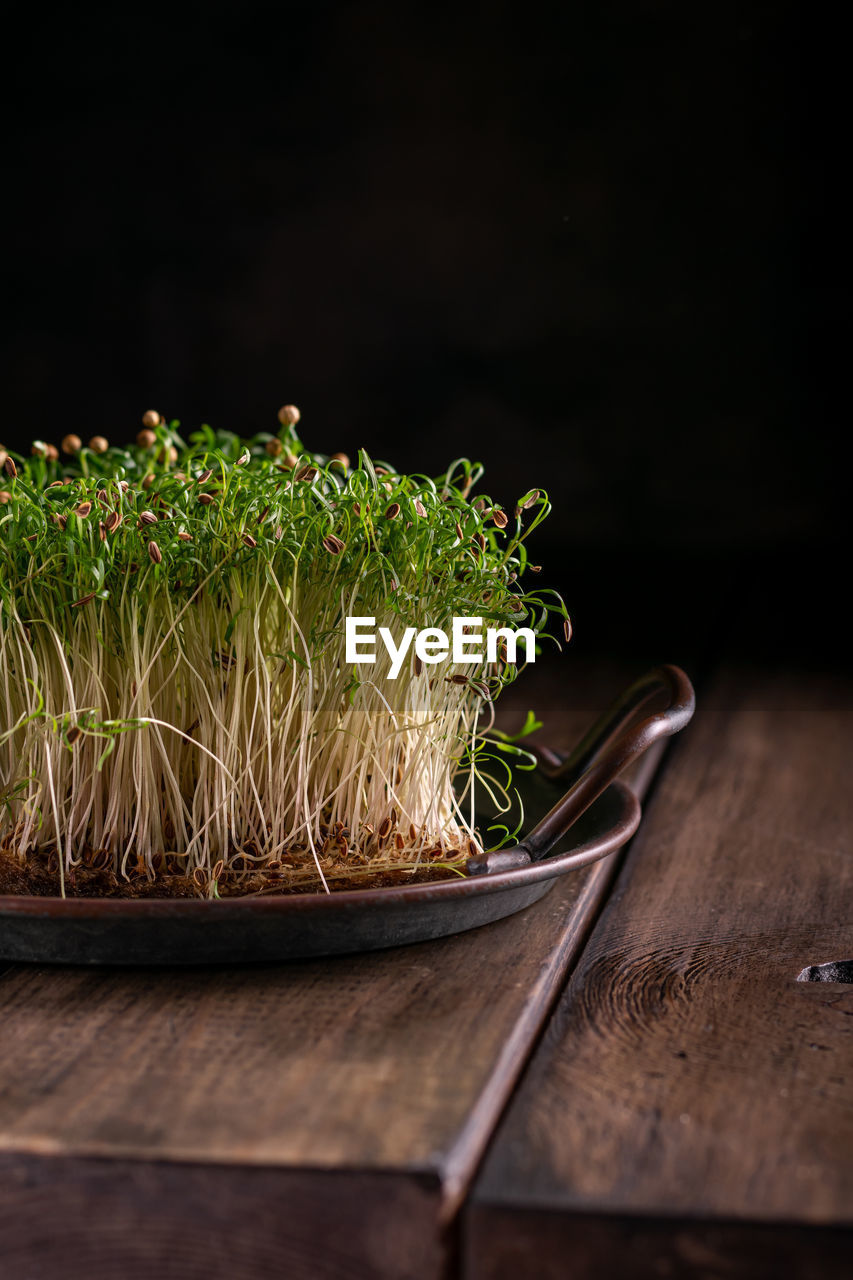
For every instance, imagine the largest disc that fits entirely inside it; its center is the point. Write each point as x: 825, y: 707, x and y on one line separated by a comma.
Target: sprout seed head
x: 147, y: 517
x: 333, y: 544
x: 52, y: 453
x: 420, y: 508
x: 151, y: 418
x: 155, y: 553
x: 393, y: 511
x: 146, y: 438
x: 10, y: 468
x: 71, y: 444
x: 99, y: 444
x: 341, y: 460
x: 5, y: 496
x: 274, y: 447
x: 500, y: 518
x: 249, y: 541
x: 289, y: 415
x: 167, y: 454
x: 567, y: 628
x: 38, y: 449
x: 83, y: 509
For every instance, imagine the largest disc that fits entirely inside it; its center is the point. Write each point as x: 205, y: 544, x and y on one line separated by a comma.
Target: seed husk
x: 500, y: 518
x: 204, y: 477
x: 113, y: 521
x: 333, y: 544
x: 72, y: 734
x: 84, y: 600
x: 243, y: 459
x: 10, y: 468
x: 147, y: 517
x: 567, y: 628
x: 99, y: 444
x: 206, y: 499
x: 340, y: 460
x: 289, y: 415
x: 274, y: 447
x: 306, y: 473
x: 249, y: 541
x: 151, y: 418
x: 420, y: 508
x: 154, y: 553
x: 184, y: 536
x: 83, y: 509
x: 146, y: 439
x: 392, y: 511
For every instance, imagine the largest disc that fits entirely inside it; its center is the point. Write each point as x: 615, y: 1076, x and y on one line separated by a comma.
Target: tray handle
x: 610, y: 745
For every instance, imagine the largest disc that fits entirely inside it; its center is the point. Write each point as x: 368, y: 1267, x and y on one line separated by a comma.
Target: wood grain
x: 372, y: 1081
x: 686, y: 1075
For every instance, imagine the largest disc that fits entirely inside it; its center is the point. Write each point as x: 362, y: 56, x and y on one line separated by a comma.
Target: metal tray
x: 591, y: 815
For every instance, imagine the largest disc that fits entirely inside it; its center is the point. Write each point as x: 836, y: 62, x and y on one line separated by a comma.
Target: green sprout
x: 173, y: 686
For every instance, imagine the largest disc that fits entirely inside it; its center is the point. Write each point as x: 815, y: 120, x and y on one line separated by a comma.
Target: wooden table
x: 625, y: 1080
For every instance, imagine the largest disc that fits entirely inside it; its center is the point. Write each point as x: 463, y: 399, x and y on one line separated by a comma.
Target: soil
x: 35, y: 878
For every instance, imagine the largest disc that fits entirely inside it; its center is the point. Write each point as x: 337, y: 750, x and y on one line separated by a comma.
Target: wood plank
x: 687, y: 1082
x: 371, y: 1080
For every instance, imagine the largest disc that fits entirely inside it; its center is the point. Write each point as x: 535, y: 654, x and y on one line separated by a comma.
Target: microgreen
x: 172, y: 674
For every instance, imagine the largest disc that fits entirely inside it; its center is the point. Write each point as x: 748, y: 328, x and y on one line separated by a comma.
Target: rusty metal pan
x: 590, y: 814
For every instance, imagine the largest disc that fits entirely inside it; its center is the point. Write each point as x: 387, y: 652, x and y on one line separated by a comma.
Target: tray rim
x: 602, y: 845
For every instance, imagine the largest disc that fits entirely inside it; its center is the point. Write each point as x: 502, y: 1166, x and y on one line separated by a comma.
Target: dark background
x: 588, y: 245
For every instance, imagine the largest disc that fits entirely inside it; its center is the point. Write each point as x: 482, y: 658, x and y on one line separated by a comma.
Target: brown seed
x: 567, y: 628
x: 99, y: 444
x: 167, y: 454
x: 288, y: 462
x: 456, y: 679
x: 278, y: 533
x: 84, y: 600
x: 5, y: 496
x: 206, y: 499
x: 333, y: 545
x: 185, y: 537
x: 393, y: 511
x: 147, y: 517
x: 83, y: 509
x: 243, y: 459
x: 204, y: 477
x: 289, y: 415
x: 482, y: 541
x: 263, y: 515
x: 531, y: 500
x: 218, y: 869
x: 102, y: 531
x: 460, y: 535
x: 385, y: 829
x: 10, y: 468
x: 200, y: 878
x: 52, y: 453
x: 500, y: 518
x: 146, y: 439
x: 38, y: 449
x: 155, y: 553
x: 356, y: 507
x: 3, y: 456
x: 306, y: 473
x: 399, y: 841
x: 420, y: 508
x: 113, y: 521
x: 148, y: 480
x: 151, y: 418
x: 273, y: 447
x: 340, y: 460
x: 248, y: 540
x: 419, y: 666
x: 61, y: 520
x: 535, y: 568
x: 73, y: 734
x: 101, y: 495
